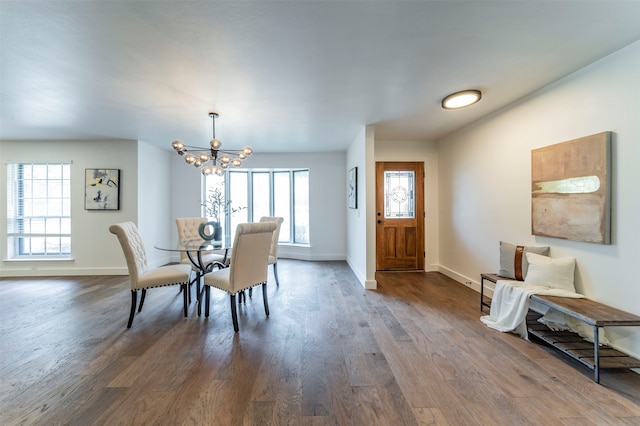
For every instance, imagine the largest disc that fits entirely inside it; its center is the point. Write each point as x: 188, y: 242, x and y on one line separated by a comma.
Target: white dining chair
x: 188, y: 230
x: 141, y: 277
x: 248, y: 267
x: 273, y: 248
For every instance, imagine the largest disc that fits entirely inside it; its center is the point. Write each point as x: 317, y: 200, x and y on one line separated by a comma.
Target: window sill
x: 40, y: 259
x: 303, y: 245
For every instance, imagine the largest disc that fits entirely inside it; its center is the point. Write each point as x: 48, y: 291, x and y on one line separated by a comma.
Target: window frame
x: 19, y: 231
x: 250, y: 198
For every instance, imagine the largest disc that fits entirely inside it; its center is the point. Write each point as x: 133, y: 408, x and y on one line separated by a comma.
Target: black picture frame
x: 352, y: 188
x: 102, y: 189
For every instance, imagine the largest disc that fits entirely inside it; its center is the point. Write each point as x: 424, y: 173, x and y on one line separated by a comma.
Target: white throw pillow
x: 551, y: 272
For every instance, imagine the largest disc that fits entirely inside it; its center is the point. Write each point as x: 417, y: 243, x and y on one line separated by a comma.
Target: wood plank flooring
x: 412, y: 352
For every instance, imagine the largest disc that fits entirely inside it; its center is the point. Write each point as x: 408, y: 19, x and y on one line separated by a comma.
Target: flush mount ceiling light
x: 461, y: 99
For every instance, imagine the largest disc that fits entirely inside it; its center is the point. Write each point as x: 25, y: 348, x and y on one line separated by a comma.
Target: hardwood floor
x: 412, y: 352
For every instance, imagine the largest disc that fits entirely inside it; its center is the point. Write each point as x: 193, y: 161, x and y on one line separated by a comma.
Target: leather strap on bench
x: 518, y: 263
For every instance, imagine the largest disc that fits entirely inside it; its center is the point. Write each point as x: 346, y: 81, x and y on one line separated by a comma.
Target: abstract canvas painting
x: 571, y: 189
x: 352, y: 190
x: 102, y: 189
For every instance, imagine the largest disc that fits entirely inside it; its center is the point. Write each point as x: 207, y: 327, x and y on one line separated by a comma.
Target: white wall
x: 154, y: 220
x: 370, y: 202
x: 357, y: 218
x: 94, y: 249
x: 485, y: 182
x: 427, y: 153
x: 327, y: 199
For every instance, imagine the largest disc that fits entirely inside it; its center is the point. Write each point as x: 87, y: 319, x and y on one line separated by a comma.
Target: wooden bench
x: 592, y: 313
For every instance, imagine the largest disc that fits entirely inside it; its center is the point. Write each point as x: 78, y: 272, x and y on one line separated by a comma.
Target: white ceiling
x: 285, y: 75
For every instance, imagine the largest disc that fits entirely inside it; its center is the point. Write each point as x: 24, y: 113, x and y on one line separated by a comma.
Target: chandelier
x: 220, y: 160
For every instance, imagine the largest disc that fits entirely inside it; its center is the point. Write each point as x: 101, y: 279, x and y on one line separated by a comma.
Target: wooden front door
x: 399, y: 216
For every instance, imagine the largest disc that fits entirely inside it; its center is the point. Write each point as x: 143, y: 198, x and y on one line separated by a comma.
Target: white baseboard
x: 370, y: 284
x: 62, y: 272
x: 466, y: 281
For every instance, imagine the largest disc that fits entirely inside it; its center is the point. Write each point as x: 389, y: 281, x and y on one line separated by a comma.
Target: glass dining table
x: 195, y: 251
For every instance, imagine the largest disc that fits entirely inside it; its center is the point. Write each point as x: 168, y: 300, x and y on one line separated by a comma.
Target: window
x: 399, y: 194
x: 38, y: 210
x: 252, y: 194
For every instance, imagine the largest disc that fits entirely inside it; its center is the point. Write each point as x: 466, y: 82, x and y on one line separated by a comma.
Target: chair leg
x: 207, y: 295
x: 134, y: 299
x: 185, y: 297
x: 144, y: 293
x: 198, y: 286
x: 234, y: 313
x: 264, y: 298
x: 189, y: 286
x: 275, y: 273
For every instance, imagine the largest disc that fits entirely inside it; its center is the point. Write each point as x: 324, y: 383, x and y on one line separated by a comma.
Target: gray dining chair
x: 248, y: 267
x: 141, y: 277
x: 273, y: 248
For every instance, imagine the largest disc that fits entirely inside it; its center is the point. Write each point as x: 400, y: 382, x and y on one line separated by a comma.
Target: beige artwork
x: 570, y: 189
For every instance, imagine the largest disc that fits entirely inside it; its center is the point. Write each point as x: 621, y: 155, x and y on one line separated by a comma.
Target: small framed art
x: 352, y: 190
x: 102, y: 189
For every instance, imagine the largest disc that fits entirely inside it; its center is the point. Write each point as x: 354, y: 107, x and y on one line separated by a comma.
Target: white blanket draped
x: 510, y: 304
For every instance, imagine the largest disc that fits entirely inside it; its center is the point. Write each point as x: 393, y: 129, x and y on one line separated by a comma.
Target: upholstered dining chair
x: 188, y: 230
x: 248, y: 267
x: 273, y: 249
x: 142, y: 277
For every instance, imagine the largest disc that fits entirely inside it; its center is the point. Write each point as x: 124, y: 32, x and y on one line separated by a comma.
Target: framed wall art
x: 571, y: 189
x: 102, y: 189
x: 352, y: 190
